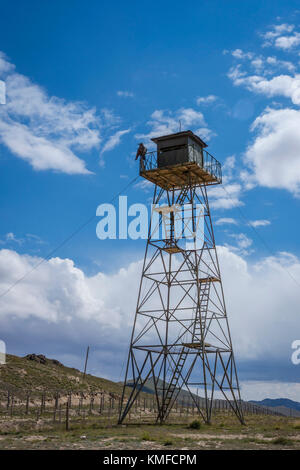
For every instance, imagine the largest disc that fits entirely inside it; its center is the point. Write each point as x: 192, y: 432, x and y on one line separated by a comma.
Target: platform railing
x: 204, y: 159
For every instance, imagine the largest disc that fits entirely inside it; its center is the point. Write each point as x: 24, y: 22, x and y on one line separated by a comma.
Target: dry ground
x: 98, y: 432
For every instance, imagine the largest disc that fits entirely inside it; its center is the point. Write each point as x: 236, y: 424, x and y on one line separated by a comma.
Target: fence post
x: 27, y: 403
x: 67, y: 416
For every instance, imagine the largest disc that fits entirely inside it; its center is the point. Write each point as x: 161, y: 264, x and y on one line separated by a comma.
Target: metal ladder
x: 197, y: 335
x: 165, y: 409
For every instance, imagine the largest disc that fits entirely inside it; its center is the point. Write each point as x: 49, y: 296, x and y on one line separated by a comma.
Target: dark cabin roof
x: 181, y: 134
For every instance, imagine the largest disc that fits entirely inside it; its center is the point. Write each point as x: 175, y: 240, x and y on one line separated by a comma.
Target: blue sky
x: 84, y: 85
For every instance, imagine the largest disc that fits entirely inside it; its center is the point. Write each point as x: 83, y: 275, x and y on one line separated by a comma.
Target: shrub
x: 168, y: 442
x: 195, y: 424
x: 283, y: 441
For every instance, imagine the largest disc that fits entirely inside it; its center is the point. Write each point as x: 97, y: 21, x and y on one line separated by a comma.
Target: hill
x: 283, y: 405
x: 36, y: 373
x: 272, y: 402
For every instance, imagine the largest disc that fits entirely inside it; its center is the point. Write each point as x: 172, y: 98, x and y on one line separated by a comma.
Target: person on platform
x: 141, y: 152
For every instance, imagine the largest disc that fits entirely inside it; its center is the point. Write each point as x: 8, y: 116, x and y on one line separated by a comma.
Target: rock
x: 41, y: 359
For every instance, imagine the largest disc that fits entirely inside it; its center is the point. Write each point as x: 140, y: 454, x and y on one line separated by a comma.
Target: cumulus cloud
x: 274, y: 156
x: 58, y: 291
x: 64, y: 306
x: 228, y: 195
x: 166, y: 122
x: 45, y: 130
x: 239, y: 54
x: 282, y: 36
x: 280, y: 85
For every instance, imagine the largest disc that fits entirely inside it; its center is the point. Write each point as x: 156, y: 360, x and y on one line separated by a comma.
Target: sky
x: 86, y: 84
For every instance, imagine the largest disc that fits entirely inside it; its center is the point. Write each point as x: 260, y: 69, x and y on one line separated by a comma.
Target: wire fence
x: 54, y: 408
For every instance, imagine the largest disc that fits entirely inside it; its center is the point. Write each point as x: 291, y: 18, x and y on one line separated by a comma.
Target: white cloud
x: 226, y: 220
x: 280, y: 85
x: 243, y: 243
x: 282, y: 36
x: 274, y: 156
x: 206, y: 99
x: 239, y: 54
x: 259, y: 390
x: 166, y: 122
x: 62, y: 298
x: 58, y: 291
x: 287, y: 42
x: 259, y: 223
x: 125, y: 94
x: 278, y: 29
x: 114, y: 140
x: 47, y: 131
x: 5, y: 65
x: 225, y: 196
x: 10, y: 237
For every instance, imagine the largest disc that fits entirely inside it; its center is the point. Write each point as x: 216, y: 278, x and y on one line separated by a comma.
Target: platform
x: 182, y: 174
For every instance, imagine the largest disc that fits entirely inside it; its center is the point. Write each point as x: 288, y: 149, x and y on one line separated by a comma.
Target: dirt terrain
x: 99, y: 432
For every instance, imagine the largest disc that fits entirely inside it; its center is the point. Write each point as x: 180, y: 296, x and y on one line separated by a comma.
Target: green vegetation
x: 195, y: 424
x: 93, y: 427
x: 20, y: 375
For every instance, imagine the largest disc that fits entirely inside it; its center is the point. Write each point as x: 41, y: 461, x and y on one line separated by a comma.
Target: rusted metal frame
x: 127, y: 407
x: 151, y: 261
x: 148, y: 294
x: 208, y: 224
x: 221, y: 300
x: 146, y: 328
x: 218, y: 321
x: 157, y: 310
x: 238, y: 410
x: 217, y: 337
x: 158, y: 334
x: 135, y: 319
x: 217, y: 307
x: 132, y: 399
x: 203, y: 313
x: 161, y: 298
x: 185, y: 382
x: 213, y: 386
x: 171, y: 386
x: 215, y: 271
x: 144, y: 331
x: 182, y: 195
x: 155, y: 382
x: 198, y: 260
x: 167, y: 330
x: 225, y: 368
x: 187, y: 291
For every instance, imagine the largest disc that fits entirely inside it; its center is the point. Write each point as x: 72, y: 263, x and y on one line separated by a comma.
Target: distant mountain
x: 276, y: 402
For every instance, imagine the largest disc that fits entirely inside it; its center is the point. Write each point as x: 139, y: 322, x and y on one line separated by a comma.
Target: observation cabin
x: 180, y: 160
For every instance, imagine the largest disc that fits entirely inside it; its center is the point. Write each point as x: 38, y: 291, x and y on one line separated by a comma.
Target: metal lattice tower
x: 181, y: 338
